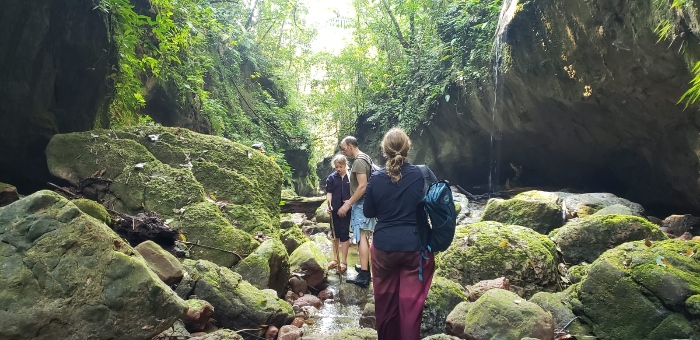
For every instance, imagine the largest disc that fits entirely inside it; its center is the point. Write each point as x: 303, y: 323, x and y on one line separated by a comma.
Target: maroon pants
x: 399, y: 295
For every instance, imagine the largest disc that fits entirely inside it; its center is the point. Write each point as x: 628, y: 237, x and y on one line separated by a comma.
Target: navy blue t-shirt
x: 339, y: 187
x: 394, y: 205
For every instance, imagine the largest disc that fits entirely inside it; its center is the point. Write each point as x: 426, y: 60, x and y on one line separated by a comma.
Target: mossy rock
x: 292, y: 238
x: 501, y: 314
x: 61, y: 264
x: 560, y: 306
x: 586, y: 238
x: 538, y: 210
x: 76, y: 156
x: 454, y: 323
x: 322, y: 215
x: 266, y: 267
x: 93, y: 209
x: 635, y: 291
x: 582, y: 205
x: 354, y: 334
x: 576, y: 273
x: 442, y: 298
x: 309, y: 259
x: 202, y: 223
x: 618, y: 209
x: 237, y: 303
x: 489, y: 250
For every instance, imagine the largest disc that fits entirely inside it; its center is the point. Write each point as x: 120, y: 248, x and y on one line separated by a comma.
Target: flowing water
x: 507, y: 11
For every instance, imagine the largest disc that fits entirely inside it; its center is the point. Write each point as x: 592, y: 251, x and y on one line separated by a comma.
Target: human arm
x: 361, y: 185
x: 329, y: 199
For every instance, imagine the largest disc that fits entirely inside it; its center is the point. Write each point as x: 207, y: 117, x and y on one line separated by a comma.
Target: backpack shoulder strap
x: 426, y: 178
x: 365, y: 157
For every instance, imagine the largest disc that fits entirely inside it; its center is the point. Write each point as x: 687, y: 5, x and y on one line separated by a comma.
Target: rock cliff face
x: 53, y: 68
x: 585, y: 98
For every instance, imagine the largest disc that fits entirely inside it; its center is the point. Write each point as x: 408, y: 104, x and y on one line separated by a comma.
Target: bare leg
x: 344, y: 246
x: 335, y: 250
x: 363, y: 249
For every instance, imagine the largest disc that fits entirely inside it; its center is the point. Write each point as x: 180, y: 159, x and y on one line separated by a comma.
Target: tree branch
x: 399, y: 35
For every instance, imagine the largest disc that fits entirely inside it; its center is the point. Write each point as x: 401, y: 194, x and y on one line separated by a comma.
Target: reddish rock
x: 298, y: 285
x: 271, y: 333
x: 686, y: 236
x: 679, y: 224
x: 325, y: 294
x: 482, y: 287
x: 198, y: 314
x: 8, y: 194
x: 161, y: 262
x: 290, y: 332
x: 308, y: 300
x: 298, y: 322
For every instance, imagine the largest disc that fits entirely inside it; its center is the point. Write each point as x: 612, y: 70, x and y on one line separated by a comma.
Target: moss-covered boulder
x: 581, y: 205
x: 586, y: 238
x: 575, y: 274
x: 164, y: 169
x: 65, y: 275
x: 454, y: 324
x: 443, y: 296
x: 309, y: 260
x: 489, y: 250
x: 93, y: 209
x: 354, y: 334
x: 534, y: 209
x: 619, y: 209
x: 267, y: 267
x: 237, y: 304
x: 501, y: 314
x: 560, y: 306
x: 322, y: 215
x: 292, y: 238
x: 160, y: 261
x: 214, y: 238
x: 639, y: 292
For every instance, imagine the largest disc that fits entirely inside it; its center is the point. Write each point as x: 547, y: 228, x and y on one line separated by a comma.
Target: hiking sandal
x: 342, y: 268
x: 332, y: 264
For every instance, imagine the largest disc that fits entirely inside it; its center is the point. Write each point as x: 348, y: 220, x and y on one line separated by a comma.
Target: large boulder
x: 292, y: 238
x: 581, y: 205
x: 66, y: 275
x: 161, y: 262
x: 635, y: 291
x: 213, y: 238
x: 486, y: 318
x: 237, y: 304
x: 442, y: 298
x: 454, y: 323
x: 583, y: 240
x: 489, y: 250
x: 561, y: 306
x: 267, y: 266
x: 322, y: 215
x: 538, y: 210
x: 308, y: 260
x: 165, y: 169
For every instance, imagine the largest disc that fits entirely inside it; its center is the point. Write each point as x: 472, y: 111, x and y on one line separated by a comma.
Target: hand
x: 330, y: 208
x: 343, y: 210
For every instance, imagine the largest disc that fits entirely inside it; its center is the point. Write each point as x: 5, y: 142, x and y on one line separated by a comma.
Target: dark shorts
x: 341, y: 227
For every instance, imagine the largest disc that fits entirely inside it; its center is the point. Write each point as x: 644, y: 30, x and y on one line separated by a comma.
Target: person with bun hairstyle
x: 392, y: 196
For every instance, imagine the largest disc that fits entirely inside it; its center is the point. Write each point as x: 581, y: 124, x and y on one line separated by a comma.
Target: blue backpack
x: 438, y: 206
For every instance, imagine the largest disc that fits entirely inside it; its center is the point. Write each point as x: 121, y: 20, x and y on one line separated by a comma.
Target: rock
x: 290, y: 220
x: 686, y: 236
x: 441, y: 337
x: 309, y: 260
x: 322, y: 215
x: 93, y: 209
x: 484, y: 319
x: 176, y: 331
x: 582, y: 205
x: 164, y: 264
x: 454, y: 323
x: 271, y: 333
x: 489, y: 250
x: 618, y: 209
x: 586, y: 238
x: 353, y: 334
x: 267, y: 267
x: 298, y: 322
x: 292, y: 238
x: 560, y: 306
x: 65, y: 274
x: 290, y: 332
x: 325, y: 294
x: 298, y: 285
x: 679, y: 224
x: 576, y: 273
x: 352, y: 294
x: 202, y: 223
x: 303, y: 205
x: 318, y: 228
x: 646, y: 291
x: 8, y: 194
x: 199, y: 313
x: 481, y: 287
x: 443, y: 296
x: 221, y: 334
x: 308, y: 300
x: 237, y: 304
x: 368, y: 319
x: 538, y: 210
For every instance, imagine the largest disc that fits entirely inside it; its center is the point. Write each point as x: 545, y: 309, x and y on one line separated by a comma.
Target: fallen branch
x: 56, y: 187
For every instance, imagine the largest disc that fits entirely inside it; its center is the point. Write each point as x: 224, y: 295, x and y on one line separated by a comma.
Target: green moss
x: 292, y: 238
x: 156, y: 187
x: 586, y: 238
x: 93, y: 209
x: 576, y: 273
x: 203, y: 223
x: 560, y: 306
x: 442, y: 298
x: 485, y: 319
x: 252, y: 219
x: 488, y: 250
x: 538, y: 210
x: 693, y: 305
